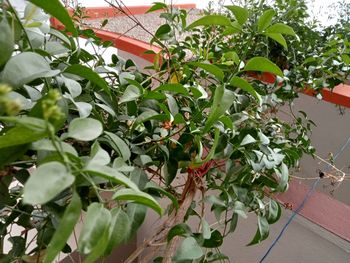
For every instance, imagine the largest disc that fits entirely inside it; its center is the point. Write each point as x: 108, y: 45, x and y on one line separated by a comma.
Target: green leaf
x: 248, y: 139
x: 163, y: 32
x: 57, y: 10
x: 131, y: 93
x: 64, y: 229
x: 47, y: 145
x: 240, y: 13
x: 346, y: 59
x: 32, y: 123
x: 7, y: 41
x: 110, y: 174
x: 10, y: 154
x: 264, y: 65
x: 223, y: 99
x: 52, y: 178
x: 97, y: 222
x: 26, y: 67
x: 88, y: 74
x: 278, y: 38
x: 85, y: 129
x: 119, y: 145
x: 262, y: 233
x: 98, y: 155
x: 179, y: 230
x: 176, y: 88
x: 211, y: 20
x: 121, y: 166
x: 119, y: 229
x: 280, y: 28
x: 138, y: 197
x: 265, y: 20
x: 157, y: 6
x: 206, y: 232
x: 233, y: 223
x: 275, y: 212
x: 215, y: 240
x: 136, y: 214
x: 152, y: 186
x: 283, y: 175
x: 188, y: 250
x: 246, y: 86
x: 212, y: 69
x: 170, y: 170
x: 73, y: 87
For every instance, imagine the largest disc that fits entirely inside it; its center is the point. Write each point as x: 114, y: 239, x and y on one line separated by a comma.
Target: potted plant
x: 82, y: 137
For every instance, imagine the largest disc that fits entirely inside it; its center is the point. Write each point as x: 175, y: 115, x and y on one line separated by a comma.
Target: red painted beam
x: 106, y: 12
x: 321, y: 209
x: 340, y: 95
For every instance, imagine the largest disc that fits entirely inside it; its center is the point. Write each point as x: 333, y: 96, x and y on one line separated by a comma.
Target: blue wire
x: 309, y: 193
x: 306, y: 198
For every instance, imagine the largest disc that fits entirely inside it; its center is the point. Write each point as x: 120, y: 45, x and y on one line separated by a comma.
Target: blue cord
x: 306, y: 198
x: 309, y: 193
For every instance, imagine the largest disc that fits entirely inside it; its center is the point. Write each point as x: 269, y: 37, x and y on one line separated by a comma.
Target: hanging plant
x: 82, y: 138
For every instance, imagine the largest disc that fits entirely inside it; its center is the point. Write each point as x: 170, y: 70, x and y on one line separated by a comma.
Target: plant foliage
x: 81, y: 138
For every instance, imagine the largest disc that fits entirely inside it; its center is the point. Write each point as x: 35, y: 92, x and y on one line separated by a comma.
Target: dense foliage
x: 81, y: 137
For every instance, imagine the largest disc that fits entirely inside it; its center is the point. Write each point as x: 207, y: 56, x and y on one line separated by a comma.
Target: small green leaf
x: 157, y: 6
x: 57, y: 10
x: 211, y: 20
x: 97, y: 222
x: 246, y: 86
x: 240, y: 13
x: 85, y: 129
x: 215, y: 240
x: 88, y: 74
x: 136, y: 214
x: 47, y: 145
x: 131, y: 93
x: 7, y: 41
x: 223, y: 99
x: 65, y: 229
x: 119, y: 229
x: 278, y: 38
x: 233, y: 223
x: 179, y: 230
x: 212, y: 69
x: 138, y: 197
x: 163, y: 32
x: 176, y: 88
x: 152, y: 186
x: 110, y: 174
x: 280, y: 28
x: 98, y: 155
x: 262, y: 233
x: 52, y: 177
x: 283, y: 175
x: 275, y: 212
x: 264, y: 65
x: 119, y: 145
x: 206, y: 232
x: 248, y: 139
x: 170, y: 170
x: 188, y: 250
x: 346, y: 59
x: 26, y: 67
x: 265, y: 19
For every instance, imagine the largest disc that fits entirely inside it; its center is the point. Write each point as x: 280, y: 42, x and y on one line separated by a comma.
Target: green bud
x: 4, y: 89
